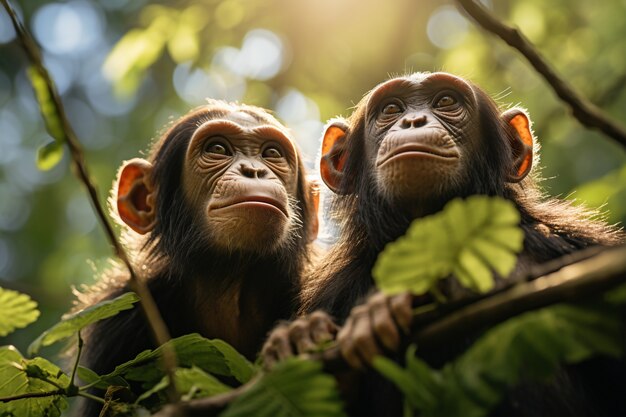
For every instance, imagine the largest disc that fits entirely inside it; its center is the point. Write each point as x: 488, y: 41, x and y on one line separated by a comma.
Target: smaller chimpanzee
x: 222, y: 218
x: 413, y: 144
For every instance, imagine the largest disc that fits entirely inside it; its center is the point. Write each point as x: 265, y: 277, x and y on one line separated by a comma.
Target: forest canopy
x: 123, y: 69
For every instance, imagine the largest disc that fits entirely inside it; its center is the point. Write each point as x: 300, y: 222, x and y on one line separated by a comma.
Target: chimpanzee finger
x: 383, y: 324
x: 363, y: 335
x: 322, y: 327
x: 347, y: 345
x: 277, y: 347
x: 402, y: 311
x: 300, y: 335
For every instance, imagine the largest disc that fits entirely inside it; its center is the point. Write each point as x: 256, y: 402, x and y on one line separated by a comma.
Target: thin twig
x: 587, y: 113
x: 155, y: 321
x: 206, y: 407
x: 32, y: 395
x: 75, y: 367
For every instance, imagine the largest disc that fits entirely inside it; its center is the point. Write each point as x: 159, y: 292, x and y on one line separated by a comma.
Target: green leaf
x: 49, y: 155
x: 295, y: 387
x: 89, y: 377
x: 213, y: 356
x: 17, y: 377
x: 72, y: 323
x: 470, y: 239
x: 17, y: 310
x: 191, y: 383
x: 532, y: 345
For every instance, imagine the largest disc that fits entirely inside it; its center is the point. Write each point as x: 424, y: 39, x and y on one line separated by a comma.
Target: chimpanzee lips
x: 419, y: 150
x: 252, y: 201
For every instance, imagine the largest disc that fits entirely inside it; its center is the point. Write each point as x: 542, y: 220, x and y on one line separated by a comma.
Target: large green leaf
x: 533, y: 344
x: 469, y: 239
x: 17, y: 377
x: 17, y: 310
x: 213, y: 356
x: 72, y: 323
x: 295, y: 387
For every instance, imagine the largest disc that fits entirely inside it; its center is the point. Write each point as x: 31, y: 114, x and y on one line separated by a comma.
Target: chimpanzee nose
x: 252, y: 170
x: 413, y: 120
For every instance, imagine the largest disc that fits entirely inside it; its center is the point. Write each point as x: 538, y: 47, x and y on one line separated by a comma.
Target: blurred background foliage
x: 125, y: 68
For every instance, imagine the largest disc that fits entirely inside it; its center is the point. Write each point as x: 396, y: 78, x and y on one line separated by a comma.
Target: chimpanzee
x: 222, y: 218
x: 412, y: 144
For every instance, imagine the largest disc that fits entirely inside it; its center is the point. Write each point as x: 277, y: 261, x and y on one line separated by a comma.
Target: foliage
x: 48, y: 155
x: 214, y: 356
x: 295, y: 387
x: 531, y: 345
x: 16, y: 311
x: 468, y: 239
x: 191, y: 382
x: 73, y: 323
x: 19, y: 376
x: 318, y: 46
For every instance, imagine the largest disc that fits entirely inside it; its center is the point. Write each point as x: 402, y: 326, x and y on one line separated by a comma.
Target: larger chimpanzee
x: 223, y: 216
x: 412, y: 144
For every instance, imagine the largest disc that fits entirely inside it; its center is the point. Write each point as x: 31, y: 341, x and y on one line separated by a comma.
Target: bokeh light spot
x: 446, y: 27
x: 63, y: 28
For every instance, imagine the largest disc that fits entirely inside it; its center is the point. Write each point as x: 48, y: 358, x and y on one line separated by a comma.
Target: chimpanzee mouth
x: 416, y: 150
x: 252, y: 201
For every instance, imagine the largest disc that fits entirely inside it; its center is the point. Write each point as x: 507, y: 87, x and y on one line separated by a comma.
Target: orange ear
x: 522, y: 144
x: 334, y: 154
x: 135, y: 196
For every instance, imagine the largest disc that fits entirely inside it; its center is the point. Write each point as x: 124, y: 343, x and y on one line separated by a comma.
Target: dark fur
x: 186, y: 274
x: 367, y: 222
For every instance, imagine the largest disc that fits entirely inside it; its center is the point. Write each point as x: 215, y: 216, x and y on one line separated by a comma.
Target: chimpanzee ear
x: 522, y: 144
x: 314, y: 198
x: 334, y: 154
x: 135, y: 195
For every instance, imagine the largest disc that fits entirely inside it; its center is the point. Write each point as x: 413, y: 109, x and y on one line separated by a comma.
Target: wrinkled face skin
x: 421, y: 131
x: 240, y: 176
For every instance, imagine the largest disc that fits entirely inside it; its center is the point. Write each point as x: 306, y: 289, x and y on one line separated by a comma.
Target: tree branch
x: 32, y: 395
x: 155, y: 321
x: 584, y: 111
x: 574, y: 282
x: 597, y: 272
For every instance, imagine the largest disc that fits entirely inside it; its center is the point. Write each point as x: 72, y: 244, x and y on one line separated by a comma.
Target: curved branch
x: 587, y: 113
x: 155, y: 321
x: 582, y: 280
x: 597, y: 272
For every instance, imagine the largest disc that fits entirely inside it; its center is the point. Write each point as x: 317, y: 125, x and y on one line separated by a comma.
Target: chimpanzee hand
x: 298, y: 337
x: 373, y: 327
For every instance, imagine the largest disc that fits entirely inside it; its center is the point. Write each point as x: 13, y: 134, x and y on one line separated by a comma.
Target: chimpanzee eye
x: 272, y: 152
x: 392, y: 108
x: 217, y: 148
x: 445, y: 101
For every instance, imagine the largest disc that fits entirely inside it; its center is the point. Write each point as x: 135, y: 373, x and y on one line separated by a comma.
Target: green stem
x: 80, y: 349
x: 91, y: 397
